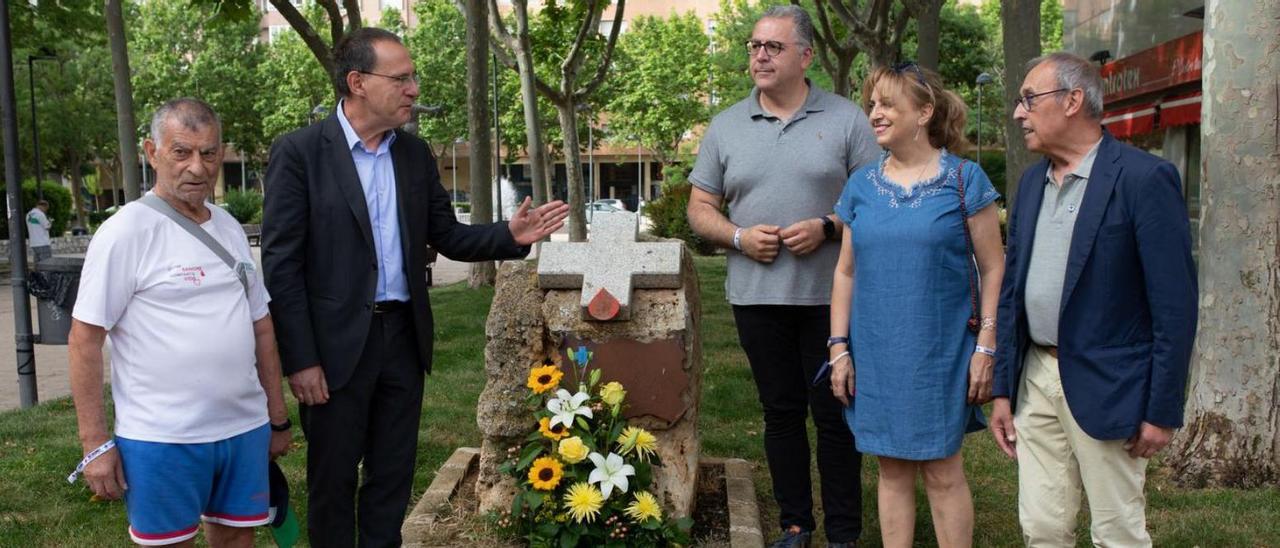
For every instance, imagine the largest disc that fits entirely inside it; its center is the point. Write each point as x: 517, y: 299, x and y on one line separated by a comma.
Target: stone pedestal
x: 655, y: 352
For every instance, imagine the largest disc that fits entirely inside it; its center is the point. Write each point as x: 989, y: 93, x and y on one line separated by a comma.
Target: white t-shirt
x: 37, y: 228
x: 182, y: 364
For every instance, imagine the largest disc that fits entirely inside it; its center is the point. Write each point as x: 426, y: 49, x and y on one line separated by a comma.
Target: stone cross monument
x: 635, y: 305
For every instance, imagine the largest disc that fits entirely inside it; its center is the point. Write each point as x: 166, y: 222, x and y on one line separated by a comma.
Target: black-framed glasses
x: 912, y: 67
x: 771, y: 47
x: 403, y: 80
x: 1028, y: 101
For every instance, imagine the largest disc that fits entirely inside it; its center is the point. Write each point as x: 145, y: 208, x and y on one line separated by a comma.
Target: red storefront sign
x: 1165, y: 66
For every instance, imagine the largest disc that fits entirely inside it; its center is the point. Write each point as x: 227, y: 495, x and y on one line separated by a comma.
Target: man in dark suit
x: 351, y: 205
x: 1097, y: 315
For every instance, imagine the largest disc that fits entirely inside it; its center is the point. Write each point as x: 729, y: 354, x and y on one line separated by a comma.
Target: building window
x: 268, y: 6
x: 606, y: 26
x: 275, y: 30
x: 384, y: 4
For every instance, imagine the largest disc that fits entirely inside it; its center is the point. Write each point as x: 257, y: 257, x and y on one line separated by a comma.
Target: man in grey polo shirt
x: 779, y: 159
x: 1097, y: 315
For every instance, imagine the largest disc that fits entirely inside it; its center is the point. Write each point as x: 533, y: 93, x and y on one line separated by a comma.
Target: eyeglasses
x: 403, y: 80
x: 1028, y: 101
x: 771, y: 47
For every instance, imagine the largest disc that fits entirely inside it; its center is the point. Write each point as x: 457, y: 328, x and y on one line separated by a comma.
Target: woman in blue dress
x: 913, y: 320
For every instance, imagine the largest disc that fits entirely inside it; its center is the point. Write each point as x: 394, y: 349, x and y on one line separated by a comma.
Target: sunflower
x: 639, y: 441
x: 544, y: 378
x: 545, y: 473
x: 583, y: 501
x: 554, y: 433
x: 644, y: 508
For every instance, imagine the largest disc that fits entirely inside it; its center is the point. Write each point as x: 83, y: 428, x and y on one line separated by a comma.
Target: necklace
x: 920, y: 172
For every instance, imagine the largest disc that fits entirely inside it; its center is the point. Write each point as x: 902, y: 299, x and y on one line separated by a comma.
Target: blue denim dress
x: 911, y: 303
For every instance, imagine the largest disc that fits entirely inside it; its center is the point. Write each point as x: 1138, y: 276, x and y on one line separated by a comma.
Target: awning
x: 1143, y: 118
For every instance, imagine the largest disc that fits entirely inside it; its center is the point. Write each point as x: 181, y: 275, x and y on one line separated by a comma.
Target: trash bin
x: 54, y: 284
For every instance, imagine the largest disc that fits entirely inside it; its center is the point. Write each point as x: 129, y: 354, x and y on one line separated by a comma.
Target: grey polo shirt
x: 771, y: 171
x: 1048, y: 268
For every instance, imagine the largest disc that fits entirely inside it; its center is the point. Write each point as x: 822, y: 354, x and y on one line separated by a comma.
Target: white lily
x: 610, y: 472
x: 565, y: 407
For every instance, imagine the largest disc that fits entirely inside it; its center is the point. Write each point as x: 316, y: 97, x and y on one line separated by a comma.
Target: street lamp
x: 35, y: 131
x: 983, y: 79
x: 591, y: 159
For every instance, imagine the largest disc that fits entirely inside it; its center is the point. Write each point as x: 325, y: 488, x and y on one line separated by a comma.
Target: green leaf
x: 582, y: 423
x: 595, y: 377
x: 530, y: 453
x: 569, y: 539
x: 534, y: 499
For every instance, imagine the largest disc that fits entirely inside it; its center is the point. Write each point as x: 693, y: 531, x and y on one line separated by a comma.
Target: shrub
x: 244, y: 205
x: 992, y: 163
x: 668, y: 212
x: 59, y: 199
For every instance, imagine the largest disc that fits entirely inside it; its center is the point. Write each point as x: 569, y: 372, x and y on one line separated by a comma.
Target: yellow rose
x: 572, y: 450
x: 612, y: 393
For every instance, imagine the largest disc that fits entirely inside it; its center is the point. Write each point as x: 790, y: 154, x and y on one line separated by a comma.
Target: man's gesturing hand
x: 531, y: 224
x: 803, y: 237
x: 761, y: 243
x: 309, y: 386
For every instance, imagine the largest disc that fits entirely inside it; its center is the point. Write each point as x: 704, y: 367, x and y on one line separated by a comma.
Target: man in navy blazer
x: 352, y: 202
x: 1097, y: 314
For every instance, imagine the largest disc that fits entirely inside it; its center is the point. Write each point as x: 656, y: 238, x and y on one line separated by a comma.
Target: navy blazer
x: 1128, y: 316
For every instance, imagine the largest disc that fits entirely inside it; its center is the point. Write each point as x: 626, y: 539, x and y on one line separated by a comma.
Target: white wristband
x: 985, y: 350
x: 90, y: 458
x: 737, y: 239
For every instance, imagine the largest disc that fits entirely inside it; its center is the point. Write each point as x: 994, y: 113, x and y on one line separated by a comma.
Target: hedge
x: 59, y: 199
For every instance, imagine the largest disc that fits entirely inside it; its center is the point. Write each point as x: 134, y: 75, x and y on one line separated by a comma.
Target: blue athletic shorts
x: 172, y: 486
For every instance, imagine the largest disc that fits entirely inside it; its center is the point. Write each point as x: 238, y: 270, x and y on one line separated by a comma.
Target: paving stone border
x: 740, y: 493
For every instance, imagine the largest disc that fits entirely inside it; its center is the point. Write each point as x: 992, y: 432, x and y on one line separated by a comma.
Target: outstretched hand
x: 531, y: 224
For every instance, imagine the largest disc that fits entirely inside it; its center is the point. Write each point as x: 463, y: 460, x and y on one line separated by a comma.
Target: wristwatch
x: 287, y: 424
x: 828, y: 227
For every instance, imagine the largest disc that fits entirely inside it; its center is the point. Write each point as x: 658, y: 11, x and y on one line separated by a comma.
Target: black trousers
x: 786, y: 345
x: 372, y: 419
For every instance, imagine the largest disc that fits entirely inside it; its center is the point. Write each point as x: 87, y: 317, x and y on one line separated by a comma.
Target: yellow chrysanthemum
x: 553, y: 433
x: 583, y: 501
x: 644, y: 508
x: 545, y: 473
x: 544, y: 378
x: 639, y: 441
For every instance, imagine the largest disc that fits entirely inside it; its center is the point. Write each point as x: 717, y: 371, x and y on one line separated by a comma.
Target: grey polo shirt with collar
x: 1047, y: 271
x: 777, y: 172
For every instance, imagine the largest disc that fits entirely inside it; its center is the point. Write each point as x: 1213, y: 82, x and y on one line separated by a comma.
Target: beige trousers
x: 1056, y: 458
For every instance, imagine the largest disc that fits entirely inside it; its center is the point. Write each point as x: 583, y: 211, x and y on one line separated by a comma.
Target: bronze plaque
x: 652, y: 373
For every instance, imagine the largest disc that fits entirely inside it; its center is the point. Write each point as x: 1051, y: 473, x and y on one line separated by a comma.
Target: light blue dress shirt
x: 378, y: 179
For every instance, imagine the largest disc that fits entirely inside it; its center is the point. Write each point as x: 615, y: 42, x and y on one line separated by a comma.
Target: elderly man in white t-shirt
x: 195, y: 375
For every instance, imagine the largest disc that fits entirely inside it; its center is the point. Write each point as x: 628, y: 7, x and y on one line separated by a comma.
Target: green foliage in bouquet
x: 583, y: 474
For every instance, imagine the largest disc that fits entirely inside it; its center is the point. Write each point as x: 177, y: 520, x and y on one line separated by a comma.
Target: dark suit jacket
x: 317, y: 245
x: 1128, y: 316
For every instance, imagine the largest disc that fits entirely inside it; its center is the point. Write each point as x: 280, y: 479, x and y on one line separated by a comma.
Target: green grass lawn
x: 38, y: 447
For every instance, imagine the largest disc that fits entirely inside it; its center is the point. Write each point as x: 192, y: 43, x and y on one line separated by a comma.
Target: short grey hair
x: 192, y: 113
x: 797, y: 15
x: 1074, y: 72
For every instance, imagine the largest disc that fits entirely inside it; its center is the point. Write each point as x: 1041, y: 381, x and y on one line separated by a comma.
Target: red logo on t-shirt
x: 188, y: 274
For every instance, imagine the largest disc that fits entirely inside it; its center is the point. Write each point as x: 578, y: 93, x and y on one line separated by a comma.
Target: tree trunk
x: 529, y: 95
x: 77, y: 200
x: 1020, y: 25
x: 126, y: 126
x: 927, y: 29
x: 573, y: 172
x: 481, y: 157
x: 1232, y: 434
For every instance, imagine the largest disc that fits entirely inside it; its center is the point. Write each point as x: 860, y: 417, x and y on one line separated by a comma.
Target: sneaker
x: 793, y: 539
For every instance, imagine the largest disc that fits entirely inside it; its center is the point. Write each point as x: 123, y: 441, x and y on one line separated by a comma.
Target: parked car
x: 614, y: 202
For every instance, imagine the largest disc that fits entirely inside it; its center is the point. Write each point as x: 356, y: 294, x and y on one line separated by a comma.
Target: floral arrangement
x: 583, y: 474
